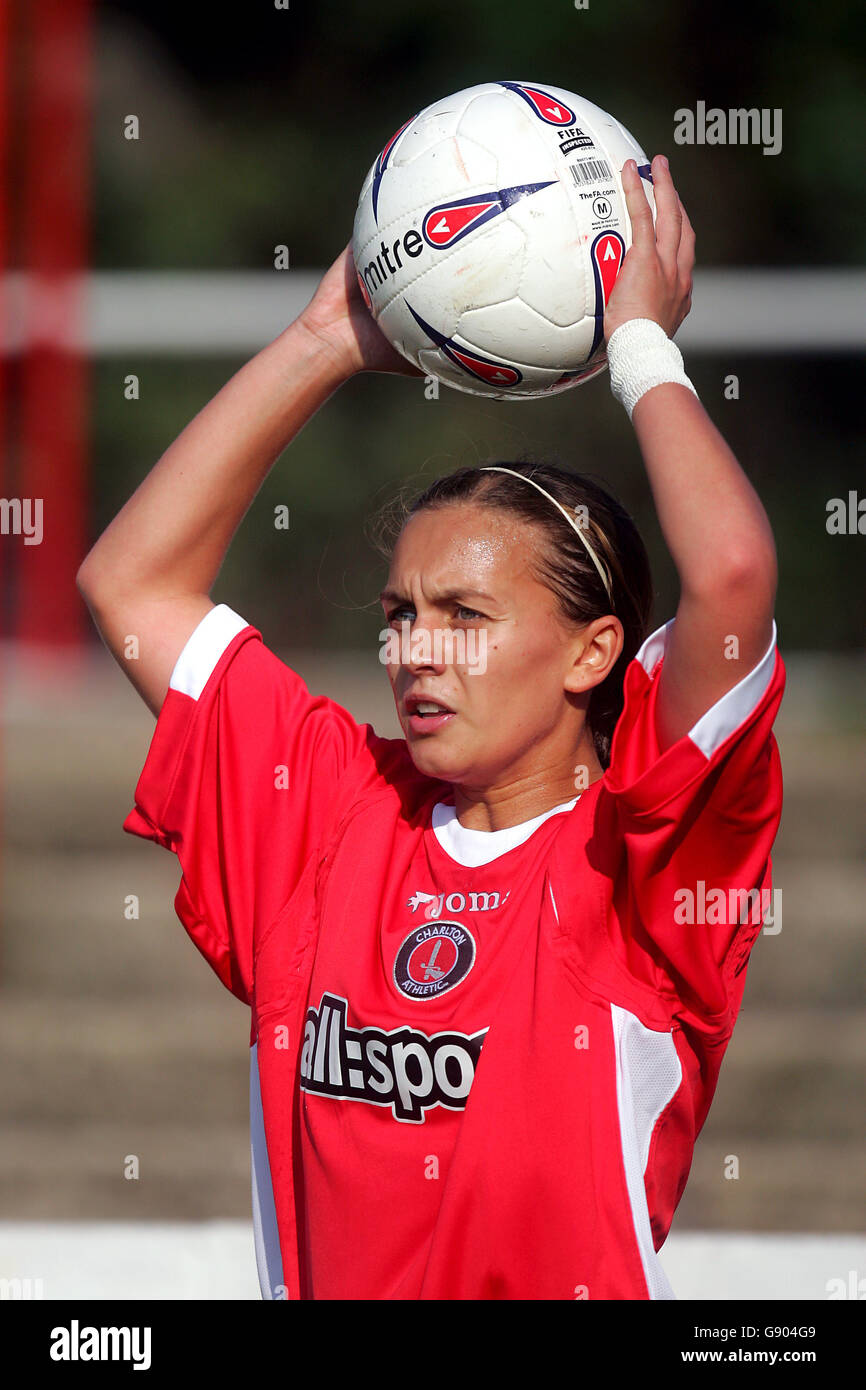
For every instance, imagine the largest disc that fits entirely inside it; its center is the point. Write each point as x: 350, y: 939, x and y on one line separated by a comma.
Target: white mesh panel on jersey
x: 269, y: 1260
x: 648, y: 1075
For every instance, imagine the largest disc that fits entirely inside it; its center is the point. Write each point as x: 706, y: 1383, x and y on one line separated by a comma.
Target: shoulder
x: 732, y: 732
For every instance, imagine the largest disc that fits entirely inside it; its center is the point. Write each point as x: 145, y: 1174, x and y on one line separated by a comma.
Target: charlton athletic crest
x: 433, y: 959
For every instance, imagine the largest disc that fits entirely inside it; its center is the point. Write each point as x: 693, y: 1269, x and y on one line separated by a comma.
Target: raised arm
x: 712, y: 520
x: 150, y: 574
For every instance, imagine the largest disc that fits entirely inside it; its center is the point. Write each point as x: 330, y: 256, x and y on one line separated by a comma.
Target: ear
x: 595, y: 652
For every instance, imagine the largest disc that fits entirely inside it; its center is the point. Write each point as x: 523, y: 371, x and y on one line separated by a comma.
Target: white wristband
x: 640, y: 355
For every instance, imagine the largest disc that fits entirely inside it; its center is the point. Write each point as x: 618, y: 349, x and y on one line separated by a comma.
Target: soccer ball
x: 489, y: 233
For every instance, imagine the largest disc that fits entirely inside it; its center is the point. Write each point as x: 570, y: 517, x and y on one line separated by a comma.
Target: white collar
x: 474, y: 847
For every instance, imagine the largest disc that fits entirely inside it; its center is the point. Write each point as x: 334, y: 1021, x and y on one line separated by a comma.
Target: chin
x: 438, y: 762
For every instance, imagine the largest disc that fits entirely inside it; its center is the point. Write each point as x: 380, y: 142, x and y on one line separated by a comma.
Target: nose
x: 422, y: 645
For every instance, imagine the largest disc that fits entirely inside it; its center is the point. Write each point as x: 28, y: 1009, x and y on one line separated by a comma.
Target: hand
x: 655, y: 279
x: 339, y: 318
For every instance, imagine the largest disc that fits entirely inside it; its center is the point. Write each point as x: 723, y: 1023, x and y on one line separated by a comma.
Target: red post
x: 6, y: 478
x: 54, y: 248
x: 5, y: 469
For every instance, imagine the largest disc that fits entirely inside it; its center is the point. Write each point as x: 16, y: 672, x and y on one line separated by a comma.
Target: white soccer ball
x: 489, y: 234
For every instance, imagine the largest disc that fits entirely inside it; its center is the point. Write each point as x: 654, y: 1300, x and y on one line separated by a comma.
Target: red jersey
x: 479, y: 1061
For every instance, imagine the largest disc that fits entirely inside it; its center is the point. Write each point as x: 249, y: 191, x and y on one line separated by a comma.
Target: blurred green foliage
x: 257, y: 128
x: 258, y: 125
x: 316, y: 584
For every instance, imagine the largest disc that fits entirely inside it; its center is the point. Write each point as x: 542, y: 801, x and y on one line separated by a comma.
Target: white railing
x: 117, y: 313
x: 216, y: 1260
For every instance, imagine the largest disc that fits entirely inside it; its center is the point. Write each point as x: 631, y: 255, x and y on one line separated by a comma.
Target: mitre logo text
x: 403, y: 1068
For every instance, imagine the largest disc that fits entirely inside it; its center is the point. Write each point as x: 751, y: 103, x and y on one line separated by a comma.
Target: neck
x: 521, y: 798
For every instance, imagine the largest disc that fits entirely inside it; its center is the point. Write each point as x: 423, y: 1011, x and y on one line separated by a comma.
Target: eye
x: 407, y: 613
x: 399, y: 614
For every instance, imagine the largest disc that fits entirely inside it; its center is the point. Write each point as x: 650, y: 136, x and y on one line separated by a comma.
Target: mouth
x: 425, y: 716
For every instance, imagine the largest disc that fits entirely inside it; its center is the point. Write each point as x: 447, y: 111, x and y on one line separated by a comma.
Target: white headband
x: 497, y: 468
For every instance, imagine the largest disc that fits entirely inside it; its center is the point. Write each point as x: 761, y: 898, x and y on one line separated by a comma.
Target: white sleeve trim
x: 195, y: 665
x: 735, y: 706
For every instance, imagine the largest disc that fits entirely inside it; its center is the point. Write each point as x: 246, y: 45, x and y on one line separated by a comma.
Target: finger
x: 687, y: 238
x: 639, y: 210
x: 686, y: 250
x: 668, y: 213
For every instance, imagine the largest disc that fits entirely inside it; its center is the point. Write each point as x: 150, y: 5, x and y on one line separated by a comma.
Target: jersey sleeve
x: 241, y: 781
x: 697, y: 822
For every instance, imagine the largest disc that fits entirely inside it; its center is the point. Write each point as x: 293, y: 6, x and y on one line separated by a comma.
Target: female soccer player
x: 492, y: 966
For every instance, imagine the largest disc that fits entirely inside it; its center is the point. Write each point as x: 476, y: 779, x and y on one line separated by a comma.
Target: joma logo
x: 456, y: 902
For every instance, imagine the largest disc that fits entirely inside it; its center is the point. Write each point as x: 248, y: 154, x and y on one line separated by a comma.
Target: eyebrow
x: 443, y: 597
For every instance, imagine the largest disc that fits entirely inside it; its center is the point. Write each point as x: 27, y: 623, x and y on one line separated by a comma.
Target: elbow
x: 740, y: 580
x: 94, y: 586
x: 86, y: 580
x: 82, y: 578
x: 753, y: 571
x: 742, y: 564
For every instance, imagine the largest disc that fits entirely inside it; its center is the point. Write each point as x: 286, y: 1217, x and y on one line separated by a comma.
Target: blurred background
x: 153, y: 258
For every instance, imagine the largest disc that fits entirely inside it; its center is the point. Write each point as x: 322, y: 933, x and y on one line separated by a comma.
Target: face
x: 471, y: 629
